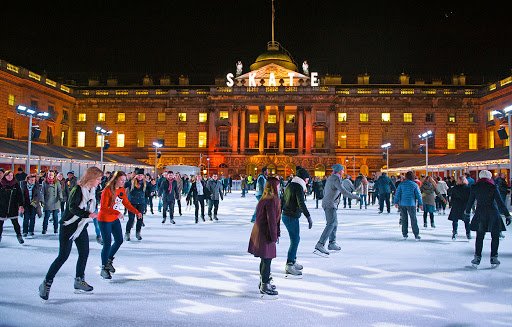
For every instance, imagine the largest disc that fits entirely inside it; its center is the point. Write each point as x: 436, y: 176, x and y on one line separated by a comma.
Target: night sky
x: 74, y: 40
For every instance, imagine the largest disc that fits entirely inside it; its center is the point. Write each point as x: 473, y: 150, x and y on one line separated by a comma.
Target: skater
x: 318, y: 189
x: 362, y: 192
x: 407, y: 193
x: 487, y: 215
x: 214, y: 188
x: 11, y: 203
x: 384, y: 187
x: 428, y: 195
x: 153, y: 191
x: 197, y: 194
x: 112, y: 196
x: 179, y: 184
x: 260, y: 185
x: 459, y: 198
x: 137, y: 191
x: 51, y: 197
x: 78, y: 213
x: 32, y: 204
x: 266, y: 232
x: 293, y: 206
x: 333, y: 190
x: 168, y: 192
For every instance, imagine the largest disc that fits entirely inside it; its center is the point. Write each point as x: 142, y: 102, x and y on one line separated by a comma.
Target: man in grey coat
x: 332, y: 193
x: 215, y: 188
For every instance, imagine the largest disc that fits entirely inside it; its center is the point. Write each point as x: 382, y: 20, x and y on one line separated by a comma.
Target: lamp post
x: 157, y: 144
x: 102, y: 133
x: 386, y: 146
x: 507, y: 112
x: 425, y: 136
x: 208, y: 170
x: 354, y: 165
x: 31, y: 114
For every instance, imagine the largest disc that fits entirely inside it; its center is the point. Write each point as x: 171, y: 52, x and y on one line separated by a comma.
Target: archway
x: 320, y: 170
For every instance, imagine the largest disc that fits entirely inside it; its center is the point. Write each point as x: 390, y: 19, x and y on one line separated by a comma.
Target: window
x: 473, y: 118
x: 160, y: 135
x: 290, y: 118
x: 202, y: 140
x: 101, y: 116
x: 253, y: 140
x: 203, y: 117
x: 182, y: 116
x: 320, y: 116
x: 289, y: 141
x: 363, y: 117
x: 490, y: 139
x: 10, y: 128
x: 121, y: 117
x: 272, y: 119
x: 407, y: 117
x: 161, y: 116
x: 141, y: 116
x: 451, y: 118
x: 140, y: 139
x: 98, y: 141
x: 120, y: 140
x: 386, y: 117
x: 65, y: 116
x: 342, y: 117
x: 82, y: 117
x: 51, y: 111
x: 64, y: 138
x: 319, y: 139
x: 450, y: 138
x: 253, y: 118
x: 80, y: 139
x: 473, y: 141
x: 182, y: 139
x: 490, y: 116
x: 223, y: 139
x: 11, y: 100
x: 342, y: 140
x: 272, y: 140
x: 224, y: 114
x: 34, y: 104
x: 363, y: 140
x: 407, y: 141
x: 429, y: 118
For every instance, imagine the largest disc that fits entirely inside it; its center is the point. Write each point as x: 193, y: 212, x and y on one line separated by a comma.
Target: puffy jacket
x: 293, y: 204
x: 407, y: 193
x: 11, y: 198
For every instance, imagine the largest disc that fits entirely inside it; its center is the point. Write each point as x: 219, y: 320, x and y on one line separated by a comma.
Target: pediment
x: 279, y: 73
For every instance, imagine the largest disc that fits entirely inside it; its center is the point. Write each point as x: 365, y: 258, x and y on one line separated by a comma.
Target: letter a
x: 272, y: 79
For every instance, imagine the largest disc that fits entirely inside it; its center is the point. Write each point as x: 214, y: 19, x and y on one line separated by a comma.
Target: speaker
x: 502, y: 133
x: 106, y: 145
x: 161, y: 141
x: 36, y: 132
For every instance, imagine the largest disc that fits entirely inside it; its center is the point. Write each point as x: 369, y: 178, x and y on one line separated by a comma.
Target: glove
x: 508, y: 220
x: 310, y: 222
x: 466, y: 216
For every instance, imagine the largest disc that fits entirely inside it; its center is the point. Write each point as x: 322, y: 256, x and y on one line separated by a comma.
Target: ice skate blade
x: 43, y: 301
x: 290, y: 276
x: 83, y: 292
x: 320, y: 254
x: 474, y: 266
x: 493, y: 266
x: 269, y: 297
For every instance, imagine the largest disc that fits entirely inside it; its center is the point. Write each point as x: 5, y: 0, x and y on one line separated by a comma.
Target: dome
x: 274, y: 56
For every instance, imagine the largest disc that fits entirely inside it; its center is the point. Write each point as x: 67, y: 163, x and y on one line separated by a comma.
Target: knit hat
x: 139, y: 171
x: 302, y: 173
x: 337, y: 168
x: 485, y: 174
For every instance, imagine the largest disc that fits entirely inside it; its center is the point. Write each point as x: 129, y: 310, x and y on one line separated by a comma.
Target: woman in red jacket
x: 266, y: 232
x: 112, y: 197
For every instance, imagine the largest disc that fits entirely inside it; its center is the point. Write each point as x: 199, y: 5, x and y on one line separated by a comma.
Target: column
x: 212, y: 133
x: 234, y: 130
x: 243, y: 111
x: 281, y: 129
x: 300, y: 130
x: 331, y: 127
x: 309, y: 130
x: 261, y: 136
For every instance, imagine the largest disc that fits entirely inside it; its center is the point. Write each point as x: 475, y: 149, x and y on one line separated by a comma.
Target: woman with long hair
x: 428, y: 195
x: 11, y: 203
x: 137, y: 193
x: 112, y: 197
x: 196, y: 192
x: 459, y: 195
x: 79, y: 212
x: 32, y: 204
x: 266, y: 232
x: 51, y: 196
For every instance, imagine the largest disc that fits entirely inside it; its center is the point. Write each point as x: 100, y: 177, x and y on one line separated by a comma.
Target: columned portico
x: 281, y: 129
x: 261, y: 135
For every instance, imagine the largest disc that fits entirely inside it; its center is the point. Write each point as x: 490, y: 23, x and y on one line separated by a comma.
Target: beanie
x: 337, y: 168
x: 302, y: 173
x: 485, y: 174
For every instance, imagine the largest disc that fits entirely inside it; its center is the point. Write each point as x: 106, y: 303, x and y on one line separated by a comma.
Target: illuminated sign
x: 272, y: 79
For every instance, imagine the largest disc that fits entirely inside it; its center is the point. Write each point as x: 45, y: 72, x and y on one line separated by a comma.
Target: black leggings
x: 15, y: 223
x: 425, y: 217
x: 265, y: 270
x: 479, y: 243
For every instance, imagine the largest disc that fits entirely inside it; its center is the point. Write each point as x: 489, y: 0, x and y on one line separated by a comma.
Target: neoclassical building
x: 272, y: 114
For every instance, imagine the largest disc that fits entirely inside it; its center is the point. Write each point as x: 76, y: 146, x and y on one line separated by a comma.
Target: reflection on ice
x: 195, y: 307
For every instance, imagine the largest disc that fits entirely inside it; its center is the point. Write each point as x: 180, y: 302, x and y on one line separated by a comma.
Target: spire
x: 273, y: 44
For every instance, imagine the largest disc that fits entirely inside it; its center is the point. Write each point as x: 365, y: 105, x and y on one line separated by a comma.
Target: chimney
x: 165, y: 80
x: 147, y: 81
x: 363, y: 79
x: 404, y: 78
x: 112, y: 81
x: 94, y: 81
x: 437, y: 81
x: 183, y: 80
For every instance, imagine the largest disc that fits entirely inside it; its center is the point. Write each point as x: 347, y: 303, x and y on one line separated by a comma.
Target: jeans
x: 215, y: 205
x: 160, y: 204
x: 15, y: 223
x: 65, y: 244
x: 168, y: 203
x: 384, y: 197
x: 29, y: 219
x: 96, y: 227
x: 178, y: 200
x: 199, y: 202
x: 363, y: 199
x: 331, y: 226
x: 345, y: 202
x: 479, y: 243
x: 131, y: 218
x: 455, y: 225
x: 372, y: 197
x: 411, y: 211
x: 109, y: 229
x: 265, y: 270
x: 292, y: 225
x: 244, y: 190
x: 149, y: 201
x: 55, y: 215
x: 253, y: 219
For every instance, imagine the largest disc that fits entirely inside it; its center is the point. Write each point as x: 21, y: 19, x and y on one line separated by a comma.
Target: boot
x: 291, y: 271
x: 127, y: 236
x: 494, y: 261
x: 109, y: 265
x: 163, y: 220
x: 81, y: 286
x: 454, y: 236
x: 320, y: 250
x: 468, y: 235
x: 44, y: 289
x: 172, y: 221
x: 476, y: 261
x: 137, y: 236
x: 333, y: 246
x: 105, y: 273
x: 298, y: 266
x: 432, y: 224
x: 266, y: 288
x: 215, y: 217
x: 20, y: 239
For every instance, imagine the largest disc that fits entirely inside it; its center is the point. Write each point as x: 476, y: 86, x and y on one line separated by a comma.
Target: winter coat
x: 265, y: 230
x: 70, y: 183
x: 34, y: 200
x: 459, y: 199
x: 260, y: 184
x: 192, y: 193
x: 73, y: 207
x: 384, y: 185
x: 488, y: 207
x: 318, y: 188
x: 51, y: 196
x: 442, y: 187
x: 332, y: 192
x: 407, y: 193
x: 11, y: 198
x: 137, y: 195
x: 215, y: 188
x: 428, y: 193
x: 179, y: 184
x: 501, y: 184
x: 293, y: 204
x: 163, y: 190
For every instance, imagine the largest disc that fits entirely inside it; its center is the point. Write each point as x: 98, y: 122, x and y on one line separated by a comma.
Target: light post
x: 31, y: 113
x: 208, y: 169
x: 425, y: 136
x: 386, y: 146
x: 507, y: 112
x: 157, y: 144
x: 102, y: 133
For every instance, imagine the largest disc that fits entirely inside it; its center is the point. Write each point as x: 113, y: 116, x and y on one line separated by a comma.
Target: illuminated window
x: 386, y: 117
x: 272, y: 140
x: 253, y: 118
x: 140, y: 139
x: 407, y: 117
x: 490, y: 116
x: 224, y: 114
x: 473, y: 141
x: 342, y: 140
x: 80, y: 139
x: 101, y: 116
x: 289, y: 141
x: 121, y: 117
x: 11, y: 100
x: 363, y: 117
x: 120, y: 140
x: 202, y: 140
x: 272, y: 119
x: 203, y: 117
x: 182, y: 116
x: 450, y: 138
x: 290, y: 118
x: 161, y: 116
x: 182, y: 139
x: 490, y: 139
x: 160, y: 135
x: 429, y: 118
x: 98, y: 141
x: 363, y: 140
x: 141, y: 116
x: 253, y: 140
x: 473, y: 118
x: 223, y: 139
x: 451, y: 118
x: 342, y: 117
x: 82, y: 116
x: 319, y: 139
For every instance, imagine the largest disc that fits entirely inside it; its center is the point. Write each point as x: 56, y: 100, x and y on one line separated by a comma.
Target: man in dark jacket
x: 168, y: 192
x: 384, y: 186
x: 293, y: 206
x: 214, y: 189
x: 260, y: 185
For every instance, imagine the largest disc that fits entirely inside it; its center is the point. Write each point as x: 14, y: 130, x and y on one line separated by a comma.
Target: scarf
x: 486, y: 180
x: 170, y: 184
x: 199, y: 188
x: 88, y: 203
x: 300, y: 181
x: 5, y: 183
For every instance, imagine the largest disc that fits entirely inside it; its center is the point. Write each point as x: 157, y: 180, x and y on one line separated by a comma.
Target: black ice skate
x: 81, y: 286
x: 44, y: 289
x: 476, y: 261
x: 105, y: 273
x: 109, y: 266
x: 268, y: 292
x: 495, y: 262
x: 454, y: 236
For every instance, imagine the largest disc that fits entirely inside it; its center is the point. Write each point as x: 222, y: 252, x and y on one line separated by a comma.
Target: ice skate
x: 292, y: 272
x: 321, y: 251
x: 20, y: 239
x: 405, y: 237
x: 297, y: 266
x: 468, y: 235
x: 137, y: 235
x: 454, y: 236
x: 495, y: 262
x: 268, y: 291
x: 44, y: 289
x: 109, y: 266
x: 476, y: 261
x: 417, y: 237
x: 105, y: 273
x: 172, y: 221
x: 81, y: 286
x: 333, y: 247
x: 127, y: 236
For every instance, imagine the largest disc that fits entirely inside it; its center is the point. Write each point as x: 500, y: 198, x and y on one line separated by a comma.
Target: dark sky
x: 204, y: 39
